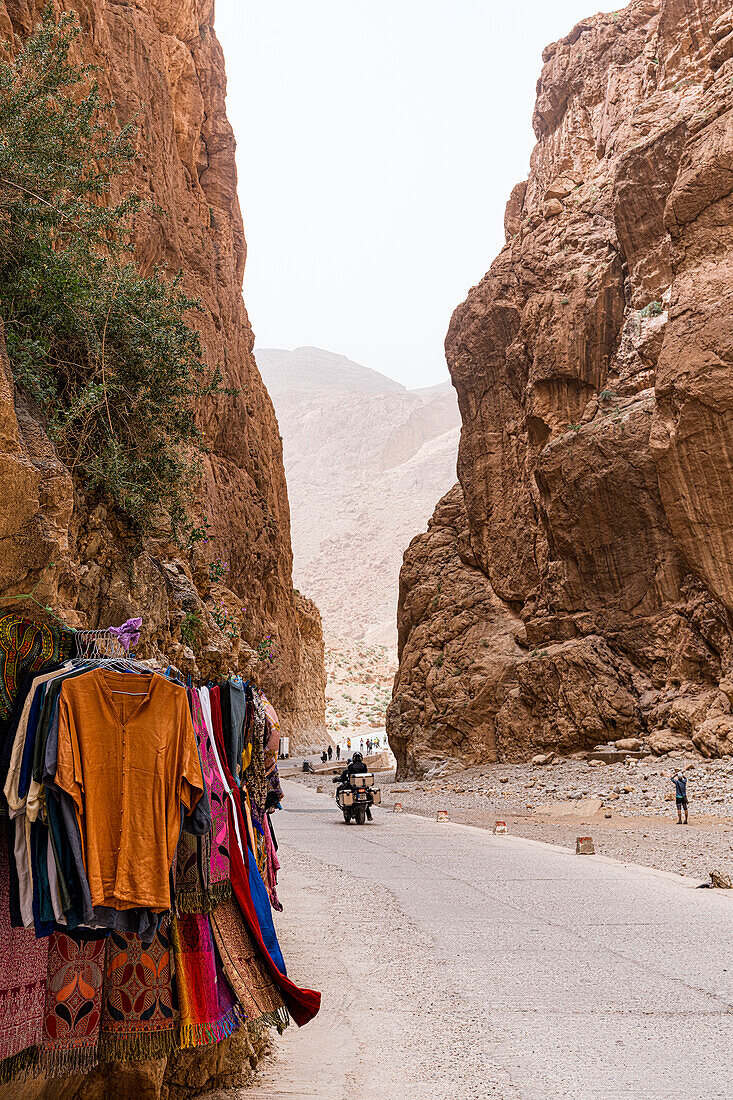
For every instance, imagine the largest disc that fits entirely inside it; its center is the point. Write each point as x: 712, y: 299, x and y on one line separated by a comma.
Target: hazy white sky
x: 378, y: 141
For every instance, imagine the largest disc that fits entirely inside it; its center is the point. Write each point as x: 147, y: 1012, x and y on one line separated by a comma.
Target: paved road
x: 482, y: 966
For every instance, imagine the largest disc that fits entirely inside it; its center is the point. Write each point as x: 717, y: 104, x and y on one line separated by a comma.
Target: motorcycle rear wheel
x: 347, y: 816
x: 360, y: 815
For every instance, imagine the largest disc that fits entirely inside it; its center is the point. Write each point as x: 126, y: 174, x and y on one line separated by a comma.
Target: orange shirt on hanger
x: 130, y: 763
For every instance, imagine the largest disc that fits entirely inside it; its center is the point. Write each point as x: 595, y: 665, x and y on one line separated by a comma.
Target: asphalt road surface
x: 457, y: 964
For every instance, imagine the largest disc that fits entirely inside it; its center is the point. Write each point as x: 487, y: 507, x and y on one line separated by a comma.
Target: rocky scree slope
x: 365, y: 459
x: 576, y: 587
x: 162, y: 65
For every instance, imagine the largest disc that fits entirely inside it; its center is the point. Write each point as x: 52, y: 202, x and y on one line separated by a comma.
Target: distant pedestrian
x: 330, y: 752
x: 348, y: 743
x: 680, y: 789
x: 361, y: 744
x: 338, y: 752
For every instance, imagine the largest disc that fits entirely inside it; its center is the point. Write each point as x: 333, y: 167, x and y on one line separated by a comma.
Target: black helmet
x: 357, y: 758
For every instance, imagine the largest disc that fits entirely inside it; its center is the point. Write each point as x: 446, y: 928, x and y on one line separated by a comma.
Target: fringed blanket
x: 139, y: 1010
x: 73, y: 1004
x: 23, y: 967
x: 254, y: 988
x: 204, y: 1017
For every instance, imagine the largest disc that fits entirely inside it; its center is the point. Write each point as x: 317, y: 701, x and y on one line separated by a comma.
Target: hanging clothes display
x: 138, y: 862
x: 114, y: 764
x: 127, y: 756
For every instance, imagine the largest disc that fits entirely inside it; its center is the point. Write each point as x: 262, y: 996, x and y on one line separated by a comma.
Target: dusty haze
x: 365, y: 459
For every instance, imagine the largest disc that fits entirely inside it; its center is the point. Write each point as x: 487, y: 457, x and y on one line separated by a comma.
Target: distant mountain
x: 364, y: 458
x: 313, y: 369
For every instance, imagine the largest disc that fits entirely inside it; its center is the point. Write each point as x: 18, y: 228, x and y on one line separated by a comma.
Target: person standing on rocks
x: 338, y: 752
x: 330, y: 752
x: 680, y: 788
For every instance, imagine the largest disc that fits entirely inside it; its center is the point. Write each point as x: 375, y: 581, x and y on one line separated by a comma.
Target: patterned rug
x: 253, y: 987
x: 73, y: 1004
x: 138, y: 1004
x: 204, y: 1018
x: 23, y: 967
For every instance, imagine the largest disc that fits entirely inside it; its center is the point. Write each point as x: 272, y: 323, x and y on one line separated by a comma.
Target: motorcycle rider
x: 356, y: 766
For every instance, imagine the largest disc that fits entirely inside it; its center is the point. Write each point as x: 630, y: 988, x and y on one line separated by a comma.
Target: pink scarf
x: 273, y: 866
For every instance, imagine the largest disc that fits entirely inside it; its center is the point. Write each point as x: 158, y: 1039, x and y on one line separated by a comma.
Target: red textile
x: 303, y: 1004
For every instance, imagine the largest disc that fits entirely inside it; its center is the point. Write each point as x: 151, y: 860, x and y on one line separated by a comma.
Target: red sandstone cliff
x: 160, y: 61
x: 577, y: 587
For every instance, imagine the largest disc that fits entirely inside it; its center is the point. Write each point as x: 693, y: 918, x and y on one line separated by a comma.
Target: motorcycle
x: 358, y: 797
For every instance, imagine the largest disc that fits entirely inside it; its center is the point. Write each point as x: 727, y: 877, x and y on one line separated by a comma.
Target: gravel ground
x: 546, y: 803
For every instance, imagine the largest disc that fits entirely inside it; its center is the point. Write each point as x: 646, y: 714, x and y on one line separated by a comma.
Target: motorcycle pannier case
x: 366, y: 779
x: 376, y: 796
x: 346, y: 798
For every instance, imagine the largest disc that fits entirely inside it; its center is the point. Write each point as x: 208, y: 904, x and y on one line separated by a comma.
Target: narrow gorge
x: 576, y: 586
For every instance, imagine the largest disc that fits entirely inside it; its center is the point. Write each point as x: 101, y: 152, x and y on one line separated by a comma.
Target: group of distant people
x: 372, y: 744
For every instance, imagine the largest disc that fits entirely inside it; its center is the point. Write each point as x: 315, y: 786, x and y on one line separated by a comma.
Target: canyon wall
x: 577, y: 587
x: 161, y: 64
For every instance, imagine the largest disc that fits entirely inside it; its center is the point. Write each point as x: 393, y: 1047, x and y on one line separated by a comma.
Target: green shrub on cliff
x: 105, y: 352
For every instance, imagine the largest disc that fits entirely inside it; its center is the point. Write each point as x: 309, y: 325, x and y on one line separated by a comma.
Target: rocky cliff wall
x: 161, y: 64
x: 309, y: 726
x: 578, y: 587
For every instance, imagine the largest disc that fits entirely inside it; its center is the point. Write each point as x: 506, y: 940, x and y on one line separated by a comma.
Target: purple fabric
x: 128, y: 633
